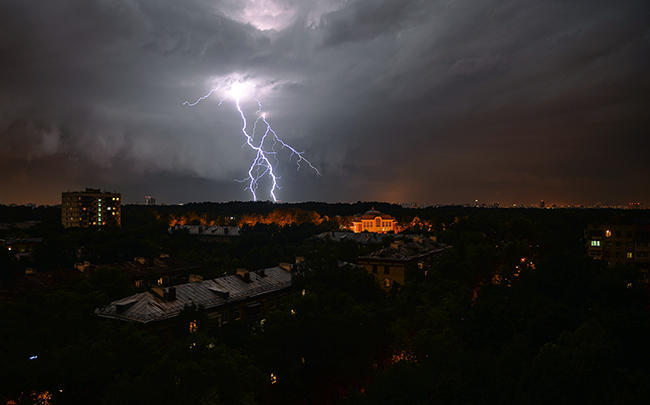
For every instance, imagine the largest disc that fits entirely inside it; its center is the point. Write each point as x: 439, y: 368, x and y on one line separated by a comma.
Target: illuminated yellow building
x: 90, y: 208
x: 374, y: 221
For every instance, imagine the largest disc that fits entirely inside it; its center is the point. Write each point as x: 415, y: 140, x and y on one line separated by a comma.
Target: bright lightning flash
x: 264, y: 148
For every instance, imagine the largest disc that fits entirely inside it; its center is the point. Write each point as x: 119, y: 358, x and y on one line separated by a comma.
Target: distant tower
x: 149, y: 200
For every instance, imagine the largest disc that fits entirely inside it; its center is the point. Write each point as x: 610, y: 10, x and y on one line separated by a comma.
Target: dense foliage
x: 555, y: 327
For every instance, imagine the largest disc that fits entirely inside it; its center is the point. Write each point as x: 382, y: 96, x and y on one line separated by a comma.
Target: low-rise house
x: 393, y: 265
x: 20, y: 247
x: 213, y: 232
x: 245, y: 295
x: 363, y: 238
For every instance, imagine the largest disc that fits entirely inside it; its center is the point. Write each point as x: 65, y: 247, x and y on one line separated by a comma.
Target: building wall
x: 90, y: 208
x: 250, y: 310
x: 378, y: 225
x: 619, y: 244
x: 386, y: 273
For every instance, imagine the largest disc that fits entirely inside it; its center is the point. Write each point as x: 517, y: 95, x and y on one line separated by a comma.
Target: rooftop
x: 407, y: 249
x: 147, y: 306
x: 207, y: 230
x: 363, y: 238
x: 372, y: 214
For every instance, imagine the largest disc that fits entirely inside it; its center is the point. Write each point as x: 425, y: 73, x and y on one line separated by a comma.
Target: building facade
x: 92, y: 207
x: 620, y: 244
x: 395, y: 264
x: 374, y: 221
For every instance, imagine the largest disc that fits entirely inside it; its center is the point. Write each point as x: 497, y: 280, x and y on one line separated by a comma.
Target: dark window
x: 374, y: 269
x: 386, y: 270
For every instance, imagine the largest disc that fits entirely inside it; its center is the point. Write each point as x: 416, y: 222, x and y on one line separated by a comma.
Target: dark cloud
x: 430, y: 101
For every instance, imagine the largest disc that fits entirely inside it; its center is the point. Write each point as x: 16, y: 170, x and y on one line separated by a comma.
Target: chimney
x: 170, y: 293
x: 244, y: 275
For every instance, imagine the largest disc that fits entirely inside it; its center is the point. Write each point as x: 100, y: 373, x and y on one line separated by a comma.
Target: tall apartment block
x: 91, y: 207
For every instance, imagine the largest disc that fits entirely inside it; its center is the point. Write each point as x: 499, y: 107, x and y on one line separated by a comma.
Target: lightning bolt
x: 264, y: 149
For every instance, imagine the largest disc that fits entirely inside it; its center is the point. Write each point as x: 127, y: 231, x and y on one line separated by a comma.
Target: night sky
x: 424, y: 101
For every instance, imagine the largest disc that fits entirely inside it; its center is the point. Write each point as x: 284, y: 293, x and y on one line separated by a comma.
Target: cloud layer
x: 428, y: 101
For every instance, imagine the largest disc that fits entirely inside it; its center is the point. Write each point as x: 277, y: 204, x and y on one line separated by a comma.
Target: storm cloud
x: 427, y: 101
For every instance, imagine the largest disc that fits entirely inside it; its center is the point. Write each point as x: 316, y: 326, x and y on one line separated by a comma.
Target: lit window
x: 194, y: 326
x: 595, y: 243
x: 608, y: 233
x: 629, y: 255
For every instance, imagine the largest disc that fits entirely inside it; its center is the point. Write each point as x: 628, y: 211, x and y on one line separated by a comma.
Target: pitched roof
x: 147, y: 307
x: 203, y: 230
x: 406, y: 250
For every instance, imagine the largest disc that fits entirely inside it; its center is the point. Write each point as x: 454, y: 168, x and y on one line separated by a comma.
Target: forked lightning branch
x: 265, y: 149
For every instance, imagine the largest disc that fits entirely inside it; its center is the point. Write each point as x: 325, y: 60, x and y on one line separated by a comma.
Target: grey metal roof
x: 147, y: 307
x: 203, y: 230
x: 406, y: 249
x: 363, y: 238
